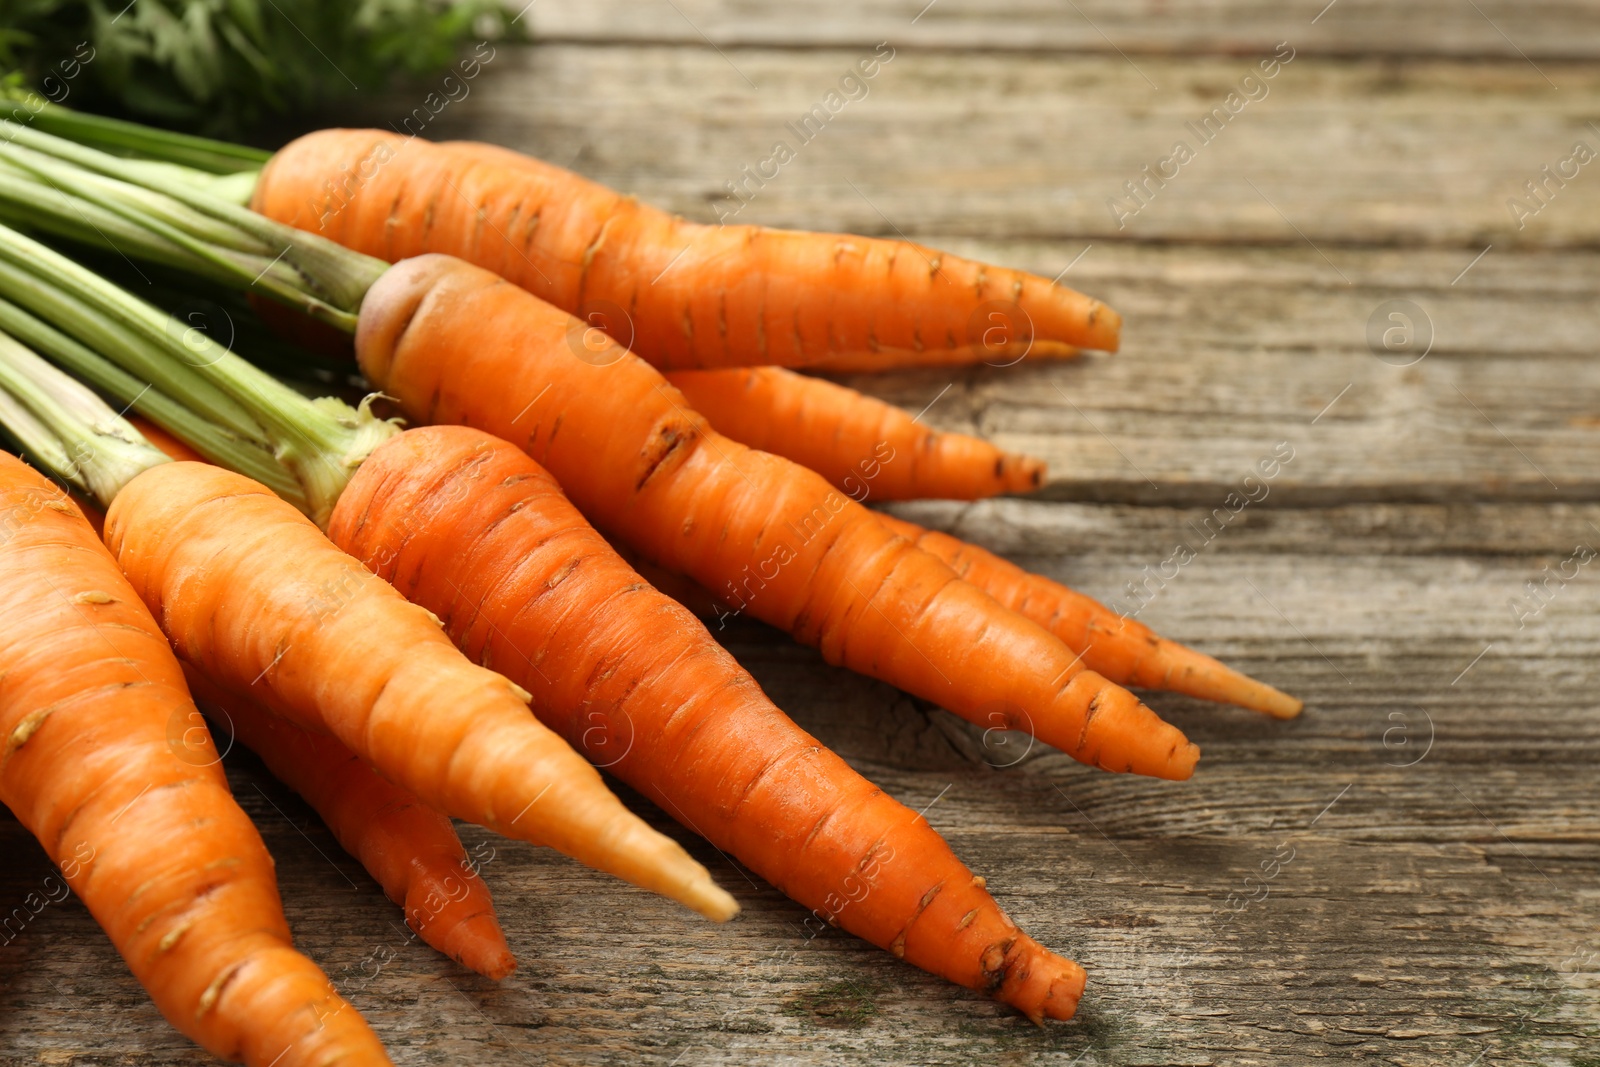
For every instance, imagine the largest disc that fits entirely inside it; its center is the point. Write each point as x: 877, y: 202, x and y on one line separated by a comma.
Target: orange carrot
x: 107, y: 764
x: 410, y: 849
x: 455, y: 344
x: 252, y: 594
x: 1122, y: 649
x: 863, y: 446
x: 630, y: 678
x: 683, y: 295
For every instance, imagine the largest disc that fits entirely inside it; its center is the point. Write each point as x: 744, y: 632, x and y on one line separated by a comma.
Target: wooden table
x: 1438, y: 798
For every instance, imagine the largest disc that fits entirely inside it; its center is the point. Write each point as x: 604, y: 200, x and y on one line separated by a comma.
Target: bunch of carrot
x: 726, y: 479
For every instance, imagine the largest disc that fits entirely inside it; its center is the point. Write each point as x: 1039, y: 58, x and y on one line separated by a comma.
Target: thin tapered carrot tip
x: 1183, y: 670
x: 478, y: 944
x: 709, y: 899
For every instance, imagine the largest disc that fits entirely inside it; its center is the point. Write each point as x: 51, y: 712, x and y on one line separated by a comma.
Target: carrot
x: 455, y: 344
x: 861, y: 445
x: 1119, y: 648
x: 252, y: 594
x: 645, y: 439
x: 629, y: 677
x: 647, y: 692
x: 104, y: 765
x: 682, y: 295
x: 410, y: 849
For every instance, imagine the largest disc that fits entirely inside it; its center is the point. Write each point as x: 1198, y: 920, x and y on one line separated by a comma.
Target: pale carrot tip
x: 710, y: 900
x: 1195, y: 674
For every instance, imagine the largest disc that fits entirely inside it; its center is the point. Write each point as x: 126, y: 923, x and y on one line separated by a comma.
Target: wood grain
x: 1505, y: 30
x: 1360, y: 151
x: 1437, y: 798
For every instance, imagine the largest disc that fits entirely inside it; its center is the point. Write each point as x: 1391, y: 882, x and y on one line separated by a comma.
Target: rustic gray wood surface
x: 1439, y: 796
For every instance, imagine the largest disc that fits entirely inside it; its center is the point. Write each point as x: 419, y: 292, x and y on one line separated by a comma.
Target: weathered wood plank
x: 1420, y: 953
x: 1509, y: 30
x: 1231, y: 352
x: 1437, y: 796
x: 994, y: 145
x: 1429, y: 915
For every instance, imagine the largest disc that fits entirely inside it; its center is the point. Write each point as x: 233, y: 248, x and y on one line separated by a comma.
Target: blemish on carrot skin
x: 172, y: 937
x: 966, y: 920
x: 980, y: 882
x: 1088, y: 717
x: 94, y: 596
x: 563, y: 574
x: 25, y: 730
x: 995, y: 965
x: 213, y: 993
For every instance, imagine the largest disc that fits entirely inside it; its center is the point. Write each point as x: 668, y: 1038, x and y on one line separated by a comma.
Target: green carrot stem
x: 65, y: 199
x: 105, y: 333
x: 176, y: 416
x: 321, y: 441
x: 327, y: 270
x: 68, y: 428
x: 130, y: 138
